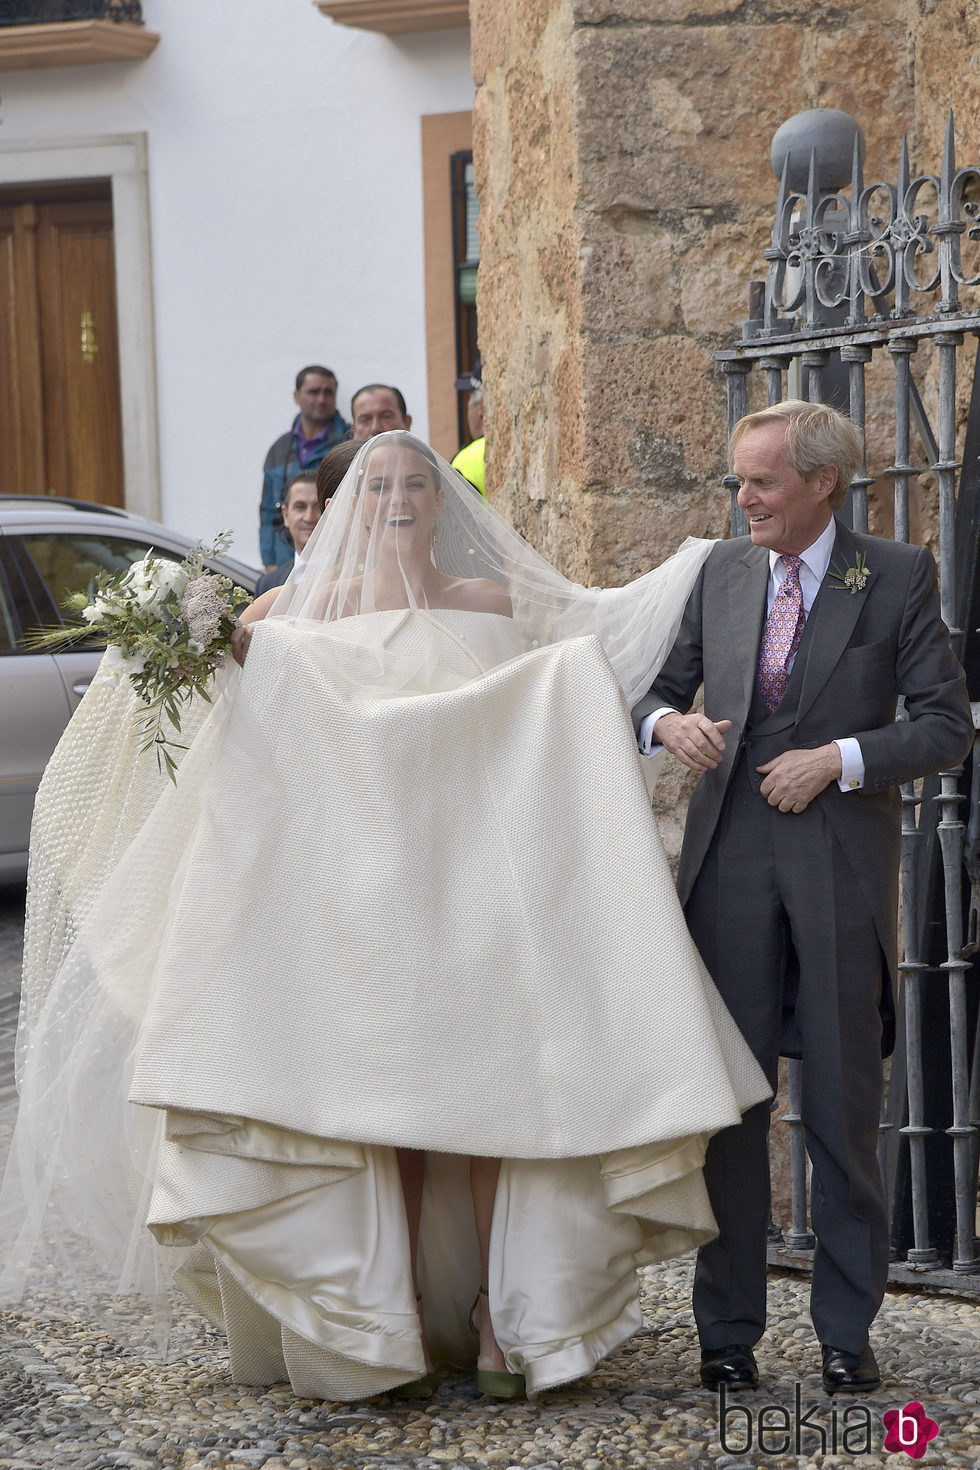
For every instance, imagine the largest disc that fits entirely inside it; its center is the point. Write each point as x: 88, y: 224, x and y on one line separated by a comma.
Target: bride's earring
x: 435, y: 538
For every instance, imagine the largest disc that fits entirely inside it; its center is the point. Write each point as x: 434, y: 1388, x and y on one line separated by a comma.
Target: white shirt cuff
x: 851, y: 764
x: 646, y: 739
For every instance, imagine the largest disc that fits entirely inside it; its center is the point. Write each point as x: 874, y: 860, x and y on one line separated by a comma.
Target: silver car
x: 49, y: 548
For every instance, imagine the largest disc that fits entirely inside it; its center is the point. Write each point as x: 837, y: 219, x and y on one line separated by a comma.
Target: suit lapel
x: 834, y: 614
x: 747, y: 588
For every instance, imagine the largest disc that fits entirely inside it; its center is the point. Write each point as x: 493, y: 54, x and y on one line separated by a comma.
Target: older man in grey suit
x: 803, y: 636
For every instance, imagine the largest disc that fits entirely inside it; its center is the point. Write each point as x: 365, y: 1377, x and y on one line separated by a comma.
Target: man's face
x: 785, y: 512
x: 301, y: 513
x: 474, y: 415
x: 377, y: 412
x: 317, y: 399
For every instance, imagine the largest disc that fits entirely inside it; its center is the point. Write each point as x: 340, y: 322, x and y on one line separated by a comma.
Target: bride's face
x: 402, y: 496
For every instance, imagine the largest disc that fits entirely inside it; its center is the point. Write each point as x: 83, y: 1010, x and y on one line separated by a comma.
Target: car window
x: 29, y: 607
x: 8, y: 622
x: 68, y: 563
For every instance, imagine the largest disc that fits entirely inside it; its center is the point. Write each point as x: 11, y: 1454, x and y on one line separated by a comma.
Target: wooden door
x: 21, y: 407
x: 61, y: 430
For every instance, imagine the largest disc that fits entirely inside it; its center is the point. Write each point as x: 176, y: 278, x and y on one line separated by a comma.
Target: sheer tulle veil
x: 362, y: 558
x: 404, y: 535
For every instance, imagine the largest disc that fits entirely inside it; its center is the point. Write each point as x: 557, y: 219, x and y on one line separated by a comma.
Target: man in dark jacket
x: 316, y: 428
x: 803, y: 635
x: 300, y: 513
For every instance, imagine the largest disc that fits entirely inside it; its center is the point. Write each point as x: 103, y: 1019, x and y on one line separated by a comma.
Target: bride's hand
x: 240, y: 640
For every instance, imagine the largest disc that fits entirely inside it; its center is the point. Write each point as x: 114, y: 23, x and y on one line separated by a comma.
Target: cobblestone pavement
x: 75, y: 1397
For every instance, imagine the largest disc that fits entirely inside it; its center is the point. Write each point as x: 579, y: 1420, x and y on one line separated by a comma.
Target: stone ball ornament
x: 827, y: 131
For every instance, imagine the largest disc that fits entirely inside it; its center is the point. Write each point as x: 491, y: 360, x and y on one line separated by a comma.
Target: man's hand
x: 794, y: 778
x: 696, y: 741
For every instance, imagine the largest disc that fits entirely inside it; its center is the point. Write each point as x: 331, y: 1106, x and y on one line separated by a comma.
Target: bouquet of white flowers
x: 168, y: 626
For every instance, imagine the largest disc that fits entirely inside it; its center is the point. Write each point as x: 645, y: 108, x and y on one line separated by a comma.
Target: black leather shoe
x: 732, y: 1366
x: 850, y: 1372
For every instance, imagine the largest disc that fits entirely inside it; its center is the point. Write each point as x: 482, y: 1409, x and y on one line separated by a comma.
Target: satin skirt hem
x: 316, y: 1286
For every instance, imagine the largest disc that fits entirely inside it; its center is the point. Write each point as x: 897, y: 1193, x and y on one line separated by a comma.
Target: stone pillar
x: 530, y: 289
x: 622, y: 163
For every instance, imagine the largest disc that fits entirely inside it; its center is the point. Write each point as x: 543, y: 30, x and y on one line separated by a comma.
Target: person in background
x: 316, y: 428
x: 300, y: 513
x: 471, y: 459
x: 375, y: 409
x: 333, y: 468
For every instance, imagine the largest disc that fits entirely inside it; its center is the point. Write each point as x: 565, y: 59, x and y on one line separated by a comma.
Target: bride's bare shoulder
x: 328, y: 599
x: 482, y: 594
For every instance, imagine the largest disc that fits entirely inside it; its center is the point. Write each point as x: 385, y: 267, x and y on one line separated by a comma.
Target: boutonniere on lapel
x: 851, y: 578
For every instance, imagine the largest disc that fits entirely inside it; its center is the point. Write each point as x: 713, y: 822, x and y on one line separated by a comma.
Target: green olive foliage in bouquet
x: 167, y: 626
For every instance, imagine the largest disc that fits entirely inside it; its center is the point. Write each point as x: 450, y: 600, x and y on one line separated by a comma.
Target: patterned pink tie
x: 782, y: 633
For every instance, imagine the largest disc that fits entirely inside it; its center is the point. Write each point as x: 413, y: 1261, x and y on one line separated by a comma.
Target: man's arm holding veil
x: 696, y: 741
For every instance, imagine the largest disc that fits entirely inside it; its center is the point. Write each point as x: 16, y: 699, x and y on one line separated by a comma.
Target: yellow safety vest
x: 471, y: 463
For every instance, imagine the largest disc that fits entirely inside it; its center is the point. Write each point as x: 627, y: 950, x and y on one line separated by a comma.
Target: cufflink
x: 853, y: 785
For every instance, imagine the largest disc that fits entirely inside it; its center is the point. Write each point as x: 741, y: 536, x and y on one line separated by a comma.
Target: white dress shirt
x: 814, y: 563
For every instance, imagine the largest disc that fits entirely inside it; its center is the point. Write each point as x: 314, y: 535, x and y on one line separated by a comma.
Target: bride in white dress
x: 389, y: 1004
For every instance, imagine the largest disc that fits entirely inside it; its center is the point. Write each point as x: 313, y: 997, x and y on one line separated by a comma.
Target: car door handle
x: 81, y: 686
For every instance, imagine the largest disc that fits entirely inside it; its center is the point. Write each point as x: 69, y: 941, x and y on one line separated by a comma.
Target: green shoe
x: 496, y: 1383
x: 418, y: 1388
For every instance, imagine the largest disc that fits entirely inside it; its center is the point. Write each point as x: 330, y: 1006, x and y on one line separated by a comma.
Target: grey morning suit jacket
x: 865, y: 648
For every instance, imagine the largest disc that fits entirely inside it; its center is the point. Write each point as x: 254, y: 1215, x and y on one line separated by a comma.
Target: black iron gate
x: 866, y: 282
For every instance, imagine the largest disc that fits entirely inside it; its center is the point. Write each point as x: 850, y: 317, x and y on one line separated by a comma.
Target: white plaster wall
x: 286, y: 219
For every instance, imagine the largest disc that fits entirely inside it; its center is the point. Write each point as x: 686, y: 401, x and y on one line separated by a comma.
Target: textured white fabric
x: 94, y: 796
x: 79, y: 1172
x: 522, y: 1017
x: 407, y: 951
x: 385, y: 906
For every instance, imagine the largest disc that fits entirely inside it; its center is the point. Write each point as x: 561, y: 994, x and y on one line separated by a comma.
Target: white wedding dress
x: 432, y: 913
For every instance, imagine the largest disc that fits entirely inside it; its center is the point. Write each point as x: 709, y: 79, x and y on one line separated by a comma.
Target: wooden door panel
x: 11, y: 444
x: 22, y: 465
x: 77, y: 291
